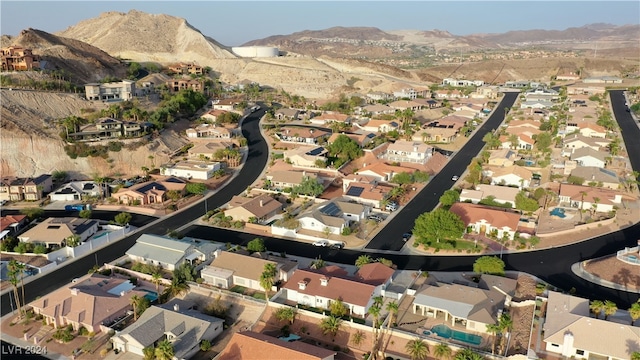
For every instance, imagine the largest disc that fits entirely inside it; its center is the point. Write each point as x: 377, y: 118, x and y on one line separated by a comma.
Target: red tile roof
x: 374, y: 273
x: 471, y: 214
x: 249, y: 345
x: 350, y: 291
x: 6, y: 221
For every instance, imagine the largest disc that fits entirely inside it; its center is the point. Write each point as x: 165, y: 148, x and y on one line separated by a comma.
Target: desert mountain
x: 373, y: 42
x: 147, y: 37
x: 79, y: 61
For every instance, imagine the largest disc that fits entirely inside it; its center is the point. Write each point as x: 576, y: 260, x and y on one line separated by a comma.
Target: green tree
x: 73, y: 240
x: 489, y: 265
x: 402, y: 178
x: 493, y: 329
x: 449, y: 197
x: 286, y: 313
x: 85, y: 214
x: 524, y: 203
x: 635, y: 355
x: 363, y: 260
x: 135, y: 300
x: 59, y: 175
x: 164, y: 350
x: 256, y: 245
x: 148, y: 353
x: 596, y: 307
x: 543, y: 141
x: 196, y: 188
x: 32, y: 213
x: 634, y: 311
x: 268, y: 278
x: 122, y: 218
x: 468, y: 354
x: 308, y: 186
x: 15, y: 275
x: 338, y: 308
x: 610, y: 308
x: 345, y: 149
x: 575, y: 180
x: 156, y: 279
x: 330, y: 325
x: 417, y: 349
x: 357, y: 338
x: 442, y: 351
x: 205, y: 345
x: 437, y: 225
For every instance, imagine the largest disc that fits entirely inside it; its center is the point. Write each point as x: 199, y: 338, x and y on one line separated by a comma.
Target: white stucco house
x: 191, y: 169
x: 333, y: 216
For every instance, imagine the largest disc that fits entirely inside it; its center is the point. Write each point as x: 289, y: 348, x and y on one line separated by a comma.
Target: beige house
x: 601, y: 177
x: 29, y: 189
x: 55, y: 232
x: 408, y: 152
x: 371, y: 194
x: 499, y: 194
x: 229, y: 269
x: 16, y: 58
x: 570, y: 331
x: 486, y: 220
x: 510, y: 176
x: 123, y: 90
x: 473, y: 307
x: 252, y: 345
x: 289, y: 178
x: 503, y: 158
x: 384, y: 172
x: 261, y: 207
x: 150, y: 192
x: 379, y: 126
x: 306, y: 156
x: 207, y: 150
x: 94, y: 302
x: 589, y: 197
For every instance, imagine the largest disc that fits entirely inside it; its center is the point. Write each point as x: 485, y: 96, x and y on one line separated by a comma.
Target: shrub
x: 83, y: 331
x: 205, y: 345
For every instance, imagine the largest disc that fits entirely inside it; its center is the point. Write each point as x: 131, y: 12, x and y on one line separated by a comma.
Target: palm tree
x: 73, y: 240
x: 596, y: 307
x: 357, y: 338
x: 330, y: 325
x: 505, y: 324
x: 135, y: 302
x: 374, y: 311
x: 148, y: 353
x: 13, y: 279
x: 635, y: 355
x: 363, y: 260
x: 392, y: 308
x: 442, y: 351
x: 177, y: 287
x: 634, y: 311
x: 610, y: 308
x: 164, y: 350
x: 156, y: 279
x: 268, y: 278
x: 468, y: 354
x: 493, y: 329
x: 20, y: 267
x: 286, y: 314
x: 417, y: 349
x: 582, y: 195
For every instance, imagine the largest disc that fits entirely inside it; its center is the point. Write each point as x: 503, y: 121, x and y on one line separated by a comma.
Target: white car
x: 321, y: 243
x: 455, y: 178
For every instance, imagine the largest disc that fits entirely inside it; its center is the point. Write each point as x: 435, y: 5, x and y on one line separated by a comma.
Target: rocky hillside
x: 80, y: 61
x: 147, y: 37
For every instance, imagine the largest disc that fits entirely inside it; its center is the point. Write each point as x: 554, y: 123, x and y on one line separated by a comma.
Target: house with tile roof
x: 11, y: 224
x: 599, y: 176
x: 261, y: 207
x: 406, y: 104
x: 76, y: 190
x: 333, y: 215
x: 503, y: 157
x: 384, y: 172
x: 306, y: 156
x: 55, y: 232
x: 94, y: 302
x: 536, y: 104
x: 355, y: 178
x: 525, y: 142
x: 167, y: 253
x: 579, y: 141
x: 586, y: 156
x: 229, y: 269
x: 590, y: 129
x: 448, y: 122
x: 436, y: 134
x: 213, y: 115
x: 378, y: 109
x: 251, y: 345
x: 191, y: 169
x: 371, y: 194
x: 589, y: 197
x: 283, y: 179
x: 570, y: 331
x: 511, y: 176
x: 330, y: 117
x: 468, y: 304
x: 379, y: 126
x: 150, y: 192
x: 408, y: 152
x: 499, y: 194
x: 486, y: 220
x: 30, y: 189
x: 361, y: 139
x: 207, y: 150
x: 318, y: 288
x: 287, y: 114
x: 185, y: 328
x: 209, y: 131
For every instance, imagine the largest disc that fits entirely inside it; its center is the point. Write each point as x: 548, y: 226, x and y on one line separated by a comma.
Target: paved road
x: 390, y: 237
x: 256, y: 161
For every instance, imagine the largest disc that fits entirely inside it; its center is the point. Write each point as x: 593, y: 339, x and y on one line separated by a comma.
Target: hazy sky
x: 234, y: 23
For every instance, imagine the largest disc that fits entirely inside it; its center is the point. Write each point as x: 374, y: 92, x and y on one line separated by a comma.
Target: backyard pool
x: 151, y: 295
x: 290, y: 338
x: 559, y: 212
x: 447, y: 333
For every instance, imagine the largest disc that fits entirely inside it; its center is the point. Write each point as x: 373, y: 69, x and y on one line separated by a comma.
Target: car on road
x: 455, y: 177
x: 406, y: 236
x: 337, y: 246
x: 321, y: 243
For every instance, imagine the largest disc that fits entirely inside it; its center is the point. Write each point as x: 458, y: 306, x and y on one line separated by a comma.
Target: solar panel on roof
x: 371, y: 135
x: 331, y: 210
x: 316, y: 151
x: 355, y: 191
x: 608, y: 172
x: 87, y: 186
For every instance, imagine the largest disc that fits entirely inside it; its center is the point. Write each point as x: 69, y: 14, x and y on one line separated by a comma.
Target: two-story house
x: 16, y: 58
x: 408, y: 152
x: 113, y: 91
x: 29, y: 189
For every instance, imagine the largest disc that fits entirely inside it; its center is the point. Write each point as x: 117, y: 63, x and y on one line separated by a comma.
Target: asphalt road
x: 255, y: 163
x: 390, y: 237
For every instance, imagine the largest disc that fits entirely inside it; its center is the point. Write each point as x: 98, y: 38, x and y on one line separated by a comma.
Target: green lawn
x: 238, y: 289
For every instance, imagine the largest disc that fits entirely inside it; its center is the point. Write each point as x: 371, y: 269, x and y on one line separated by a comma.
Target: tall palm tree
x: 135, y: 302
x: 495, y: 330
x: 363, y: 260
x: 392, y: 308
x: 417, y: 349
x: 156, y: 279
x: 177, y: 287
x: 331, y: 325
x: 442, y: 351
x: 582, y: 195
x: 20, y: 268
x: 596, y: 307
x: 634, y: 311
x: 374, y: 311
x: 357, y: 338
x: 610, y: 308
x: 505, y: 324
x: 164, y: 350
x: 268, y: 278
x: 14, y: 280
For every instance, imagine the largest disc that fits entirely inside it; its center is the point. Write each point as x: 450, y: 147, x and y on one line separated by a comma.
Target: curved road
x: 255, y: 163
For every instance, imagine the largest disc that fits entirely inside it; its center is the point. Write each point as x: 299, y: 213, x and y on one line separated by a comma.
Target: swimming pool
x: 447, y: 333
x: 290, y: 338
x: 151, y: 295
x: 559, y: 212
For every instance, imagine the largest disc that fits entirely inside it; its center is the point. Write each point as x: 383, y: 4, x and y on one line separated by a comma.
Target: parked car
x: 406, y: 236
x: 337, y: 246
x: 321, y: 243
x: 392, y: 206
x: 375, y: 218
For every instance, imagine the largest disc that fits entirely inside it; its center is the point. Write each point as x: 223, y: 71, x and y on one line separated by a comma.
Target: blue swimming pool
x: 290, y: 338
x: 151, y: 295
x: 559, y: 212
x: 447, y: 333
